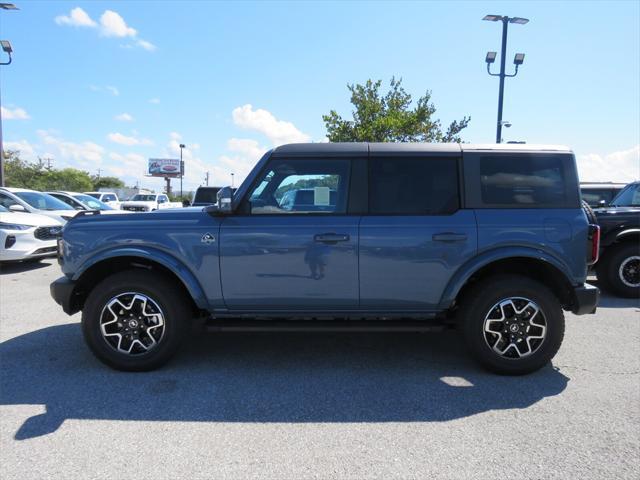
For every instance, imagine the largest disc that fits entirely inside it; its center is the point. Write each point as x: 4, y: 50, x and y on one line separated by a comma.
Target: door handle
x: 331, y: 237
x: 449, y: 237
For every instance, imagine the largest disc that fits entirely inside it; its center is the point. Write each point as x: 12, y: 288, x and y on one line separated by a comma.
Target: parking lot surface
x: 295, y: 406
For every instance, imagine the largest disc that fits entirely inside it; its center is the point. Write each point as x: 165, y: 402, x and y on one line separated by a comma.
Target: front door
x: 293, y: 246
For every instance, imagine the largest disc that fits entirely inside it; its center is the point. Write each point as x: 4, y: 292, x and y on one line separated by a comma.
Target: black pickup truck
x: 618, y: 268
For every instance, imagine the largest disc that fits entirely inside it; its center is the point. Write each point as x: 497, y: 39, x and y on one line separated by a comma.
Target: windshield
x: 143, y: 198
x: 628, y: 197
x: 91, y: 202
x: 42, y: 201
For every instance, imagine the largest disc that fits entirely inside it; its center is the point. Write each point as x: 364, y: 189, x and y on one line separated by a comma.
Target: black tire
x: 167, y: 296
x: 479, y: 302
x: 608, y: 269
x: 588, y: 211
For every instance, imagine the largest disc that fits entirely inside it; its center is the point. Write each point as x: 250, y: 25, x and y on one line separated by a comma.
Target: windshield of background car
x: 593, y: 196
x: 42, y: 201
x: 143, y: 198
x: 206, y: 195
x: 92, y: 203
x: 629, y: 197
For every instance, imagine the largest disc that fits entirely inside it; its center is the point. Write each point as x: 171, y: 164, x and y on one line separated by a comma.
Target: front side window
x: 413, y: 186
x: 629, y: 197
x: 42, y: 201
x: 523, y: 180
x: 302, y: 186
x: 109, y: 198
x: 6, y: 201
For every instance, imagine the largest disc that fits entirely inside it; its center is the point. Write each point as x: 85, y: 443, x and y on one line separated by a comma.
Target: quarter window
x: 413, y: 186
x: 524, y: 180
x: 302, y: 186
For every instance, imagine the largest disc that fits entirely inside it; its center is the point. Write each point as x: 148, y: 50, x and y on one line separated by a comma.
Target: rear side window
x: 523, y: 180
x: 413, y: 185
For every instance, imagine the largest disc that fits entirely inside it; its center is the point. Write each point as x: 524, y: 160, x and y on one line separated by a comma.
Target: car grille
x: 47, y: 233
x: 135, y: 209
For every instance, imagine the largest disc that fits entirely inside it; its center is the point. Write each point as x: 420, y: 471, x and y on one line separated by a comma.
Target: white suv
x: 25, y: 236
x: 109, y: 198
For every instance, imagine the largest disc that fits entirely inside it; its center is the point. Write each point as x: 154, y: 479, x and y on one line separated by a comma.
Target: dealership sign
x: 164, y: 167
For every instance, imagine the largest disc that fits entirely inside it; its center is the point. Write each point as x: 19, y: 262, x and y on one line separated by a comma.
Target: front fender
x: 468, y: 269
x: 185, y: 275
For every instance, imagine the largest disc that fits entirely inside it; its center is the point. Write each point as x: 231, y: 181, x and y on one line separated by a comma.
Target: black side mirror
x: 225, y: 197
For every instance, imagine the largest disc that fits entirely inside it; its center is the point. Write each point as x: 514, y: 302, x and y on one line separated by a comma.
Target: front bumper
x: 24, y: 246
x: 585, y: 299
x: 63, y: 292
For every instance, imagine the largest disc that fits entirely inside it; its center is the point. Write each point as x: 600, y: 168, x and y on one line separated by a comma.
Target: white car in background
x: 82, y: 201
x: 109, y: 198
x: 25, y: 236
x: 31, y: 201
x: 148, y: 202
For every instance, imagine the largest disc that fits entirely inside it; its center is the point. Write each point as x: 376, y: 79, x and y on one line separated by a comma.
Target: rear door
x: 416, y: 235
x: 273, y: 257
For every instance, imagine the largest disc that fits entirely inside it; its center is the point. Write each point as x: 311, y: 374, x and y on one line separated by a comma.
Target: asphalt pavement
x: 297, y: 406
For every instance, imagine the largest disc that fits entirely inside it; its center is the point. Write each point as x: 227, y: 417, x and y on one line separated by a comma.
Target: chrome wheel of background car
x: 515, y: 327
x: 629, y: 271
x: 132, y: 323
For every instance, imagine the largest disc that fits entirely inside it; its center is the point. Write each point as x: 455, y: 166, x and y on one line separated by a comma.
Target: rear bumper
x: 62, y: 291
x: 586, y: 299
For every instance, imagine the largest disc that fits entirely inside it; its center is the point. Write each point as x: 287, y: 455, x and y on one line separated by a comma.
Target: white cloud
x: 129, y: 141
x: 622, y: 166
x: 113, y: 25
x: 146, y: 45
x: 85, y: 155
x: 113, y: 90
x: 263, y: 121
x: 124, y: 117
x: 109, y: 89
x: 27, y: 151
x: 154, y: 101
x: 76, y: 18
x: 15, y: 114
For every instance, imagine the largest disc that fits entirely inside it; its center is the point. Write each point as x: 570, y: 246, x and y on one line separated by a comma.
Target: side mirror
x: 225, y: 197
x: 17, y: 208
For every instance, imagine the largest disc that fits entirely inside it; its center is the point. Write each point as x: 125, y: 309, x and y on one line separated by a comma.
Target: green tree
x: 390, y: 117
x: 106, y: 182
x: 36, y: 176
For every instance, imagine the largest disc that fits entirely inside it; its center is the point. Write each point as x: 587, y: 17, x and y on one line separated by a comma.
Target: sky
x: 104, y: 86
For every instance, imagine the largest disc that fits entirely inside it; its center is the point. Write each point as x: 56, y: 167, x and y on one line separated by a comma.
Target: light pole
x: 181, y: 168
x: 232, y: 180
x: 491, y: 57
x: 6, y: 47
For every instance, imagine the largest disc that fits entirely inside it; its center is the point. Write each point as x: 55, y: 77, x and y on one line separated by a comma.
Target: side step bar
x: 308, y: 326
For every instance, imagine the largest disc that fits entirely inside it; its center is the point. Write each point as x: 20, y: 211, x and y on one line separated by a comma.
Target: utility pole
x: 48, y: 160
x: 206, y: 179
x: 491, y: 57
x: 181, y: 168
x: 232, y: 179
x: 99, y: 171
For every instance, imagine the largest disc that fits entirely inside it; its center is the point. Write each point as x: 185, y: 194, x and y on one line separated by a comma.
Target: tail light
x: 594, y: 244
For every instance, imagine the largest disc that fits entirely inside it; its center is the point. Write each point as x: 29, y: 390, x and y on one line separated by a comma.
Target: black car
x: 618, y: 268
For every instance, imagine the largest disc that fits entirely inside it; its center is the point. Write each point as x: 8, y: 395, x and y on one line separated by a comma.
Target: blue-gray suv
x: 490, y: 239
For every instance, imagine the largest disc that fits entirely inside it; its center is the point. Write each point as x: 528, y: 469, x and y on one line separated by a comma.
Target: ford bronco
x: 489, y: 239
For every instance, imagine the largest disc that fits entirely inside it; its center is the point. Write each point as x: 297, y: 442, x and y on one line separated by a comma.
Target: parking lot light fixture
x: 490, y: 58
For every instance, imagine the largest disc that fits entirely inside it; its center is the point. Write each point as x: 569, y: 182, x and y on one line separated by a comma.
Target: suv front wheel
x: 512, y: 324
x: 135, y: 320
x: 619, y: 270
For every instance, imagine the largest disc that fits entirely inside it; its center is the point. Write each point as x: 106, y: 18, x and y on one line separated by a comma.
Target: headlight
x: 14, y: 226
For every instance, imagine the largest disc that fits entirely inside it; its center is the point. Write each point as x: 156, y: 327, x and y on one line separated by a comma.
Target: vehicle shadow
x: 263, y: 378
x: 7, y: 268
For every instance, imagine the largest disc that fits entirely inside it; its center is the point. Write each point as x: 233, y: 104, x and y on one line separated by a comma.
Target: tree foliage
x: 106, y: 182
x: 390, y: 117
x: 37, y: 176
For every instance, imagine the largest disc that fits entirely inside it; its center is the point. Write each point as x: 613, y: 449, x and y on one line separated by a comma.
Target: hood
x: 31, y: 219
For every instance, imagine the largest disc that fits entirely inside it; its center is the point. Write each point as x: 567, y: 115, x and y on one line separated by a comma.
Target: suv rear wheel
x: 619, y: 270
x: 135, y: 320
x: 512, y: 324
